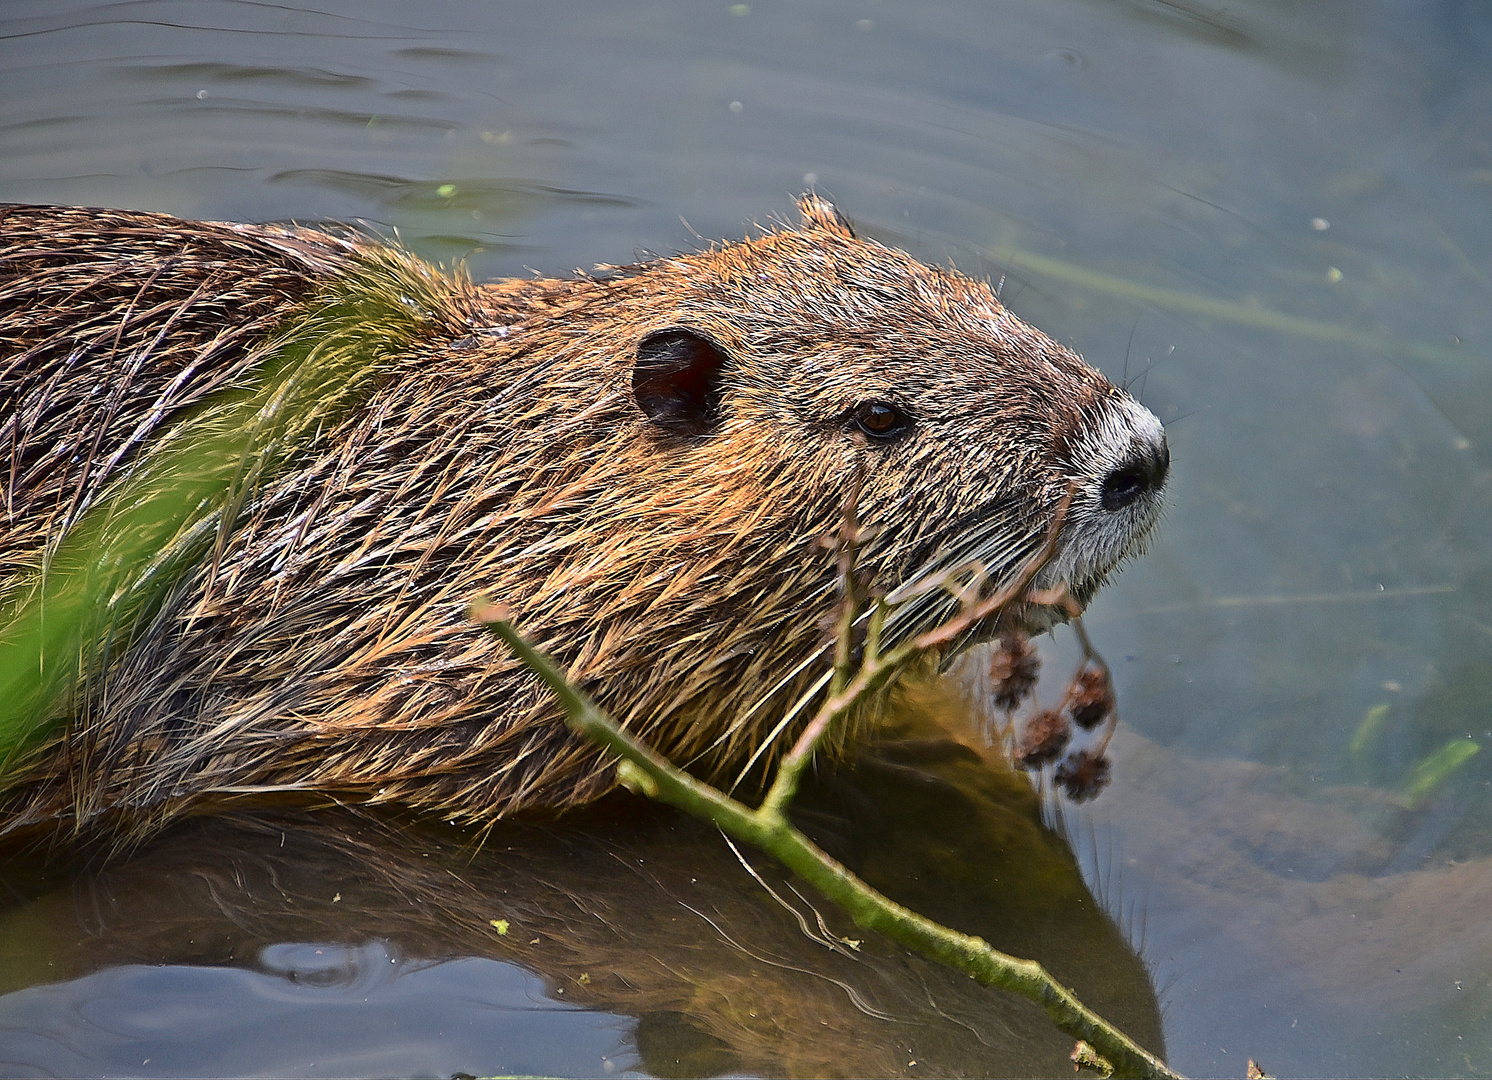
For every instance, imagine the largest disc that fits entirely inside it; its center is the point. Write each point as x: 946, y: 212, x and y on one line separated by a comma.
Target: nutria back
x: 638, y: 463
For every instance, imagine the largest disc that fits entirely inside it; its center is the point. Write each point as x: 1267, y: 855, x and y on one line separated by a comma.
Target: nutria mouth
x: 1116, y: 477
x: 266, y: 471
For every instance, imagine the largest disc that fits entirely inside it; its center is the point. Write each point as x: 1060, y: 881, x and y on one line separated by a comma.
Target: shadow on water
x: 624, y: 938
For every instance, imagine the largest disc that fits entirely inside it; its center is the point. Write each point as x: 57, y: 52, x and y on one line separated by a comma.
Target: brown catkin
x: 1083, y: 774
x: 1014, y: 667
x: 1090, y: 698
x: 1043, y: 738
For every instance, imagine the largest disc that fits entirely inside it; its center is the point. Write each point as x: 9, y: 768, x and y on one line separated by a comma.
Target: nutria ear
x: 677, y: 380
x: 822, y: 215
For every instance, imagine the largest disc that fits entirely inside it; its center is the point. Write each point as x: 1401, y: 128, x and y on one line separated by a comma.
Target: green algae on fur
x: 113, y: 569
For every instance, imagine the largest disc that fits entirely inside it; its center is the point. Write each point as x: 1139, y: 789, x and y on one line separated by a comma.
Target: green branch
x: 768, y: 828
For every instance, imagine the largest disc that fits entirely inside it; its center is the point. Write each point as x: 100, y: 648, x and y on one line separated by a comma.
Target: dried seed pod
x: 1083, y: 774
x: 1091, y: 698
x: 1013, y: 668
x: 1044, y: 738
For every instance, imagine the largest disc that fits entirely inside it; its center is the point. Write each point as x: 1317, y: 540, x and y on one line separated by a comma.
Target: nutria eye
x: 881, y: 420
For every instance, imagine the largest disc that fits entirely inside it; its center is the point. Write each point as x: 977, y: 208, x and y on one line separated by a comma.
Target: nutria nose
x: 1142, y: 473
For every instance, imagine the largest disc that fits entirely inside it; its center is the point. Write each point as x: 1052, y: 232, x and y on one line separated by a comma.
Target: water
x: 624, y: 941
x: 390, y: 1020
x: 1271, y: 218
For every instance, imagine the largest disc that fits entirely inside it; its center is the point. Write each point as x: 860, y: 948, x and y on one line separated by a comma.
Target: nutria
x: 637, y: 462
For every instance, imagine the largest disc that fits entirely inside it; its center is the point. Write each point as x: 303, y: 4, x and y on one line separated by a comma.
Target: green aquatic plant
x: 1229, y: 311
x: 1426, y: 776
x: 1368, y: 735
x: 1433, y: 770
x: 110, y: 572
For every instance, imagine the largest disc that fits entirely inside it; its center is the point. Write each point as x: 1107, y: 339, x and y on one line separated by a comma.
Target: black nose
x: 1144, y: 473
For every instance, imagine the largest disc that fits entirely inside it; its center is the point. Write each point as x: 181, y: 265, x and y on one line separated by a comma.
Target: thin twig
x: 850, y: 602
x: 768, y: 827
x: 876, y: 669
x: 1012, y: 593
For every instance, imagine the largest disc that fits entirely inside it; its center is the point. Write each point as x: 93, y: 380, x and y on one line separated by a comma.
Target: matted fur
x: 327, y: 648
x: 112, y: 326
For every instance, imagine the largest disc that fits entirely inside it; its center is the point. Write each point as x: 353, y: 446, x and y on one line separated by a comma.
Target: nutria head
x: 764, y: 373
x: 697, y: 423
x: 639, y: 464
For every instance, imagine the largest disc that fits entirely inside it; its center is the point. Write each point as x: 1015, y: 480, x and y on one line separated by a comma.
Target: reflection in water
x: 392, y: 1017
x: 626, y: 911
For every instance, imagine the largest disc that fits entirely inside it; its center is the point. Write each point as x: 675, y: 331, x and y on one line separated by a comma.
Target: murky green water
x: 1273, y: 218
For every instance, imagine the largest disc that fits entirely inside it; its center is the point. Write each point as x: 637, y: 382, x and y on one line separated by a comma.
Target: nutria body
x: 638, y: 464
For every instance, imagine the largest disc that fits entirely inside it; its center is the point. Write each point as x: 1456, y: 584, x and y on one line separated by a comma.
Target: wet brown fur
x: 328, y: 650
